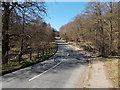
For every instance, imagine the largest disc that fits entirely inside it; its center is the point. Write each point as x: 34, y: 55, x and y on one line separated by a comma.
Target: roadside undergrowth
x: 89, y: 75
x: 112, y: 67
x: 13, y: 66
x: 111, y: 64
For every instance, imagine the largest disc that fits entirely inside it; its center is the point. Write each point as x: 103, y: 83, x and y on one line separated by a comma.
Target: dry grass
x: 72, y: 43
x: 112, y: 66
x: 15, y: 65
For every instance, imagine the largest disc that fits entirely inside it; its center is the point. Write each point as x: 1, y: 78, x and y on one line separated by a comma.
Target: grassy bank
x: 112, y: 67
x: 12, y: 66
x: 111, y: 63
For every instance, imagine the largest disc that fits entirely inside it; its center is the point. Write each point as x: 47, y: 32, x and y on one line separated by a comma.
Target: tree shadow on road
x: 70, y: 59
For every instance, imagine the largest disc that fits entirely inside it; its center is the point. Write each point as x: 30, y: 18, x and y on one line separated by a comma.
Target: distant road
x: 66, y: 69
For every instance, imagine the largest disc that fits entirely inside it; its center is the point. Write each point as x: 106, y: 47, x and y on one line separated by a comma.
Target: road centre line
x: 45, y: 71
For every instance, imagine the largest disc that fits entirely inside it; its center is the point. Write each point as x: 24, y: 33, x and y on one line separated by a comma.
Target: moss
x: 89, y: 75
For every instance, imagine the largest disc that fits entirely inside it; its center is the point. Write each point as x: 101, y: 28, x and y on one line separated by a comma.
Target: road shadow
x: 70, y: 59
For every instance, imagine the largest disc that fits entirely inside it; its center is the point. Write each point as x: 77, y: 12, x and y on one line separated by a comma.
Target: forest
x: 27, y: 38
x: 97, y: 28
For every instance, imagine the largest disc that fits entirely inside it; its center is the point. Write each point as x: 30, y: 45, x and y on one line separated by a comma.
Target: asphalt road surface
x: 66, y: 69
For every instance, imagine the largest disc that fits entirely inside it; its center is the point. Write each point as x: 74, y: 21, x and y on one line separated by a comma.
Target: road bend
x: 66, y: 69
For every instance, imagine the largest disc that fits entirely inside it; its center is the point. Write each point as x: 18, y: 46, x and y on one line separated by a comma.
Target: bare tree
x: 96, y: 27
x: 32, y: 7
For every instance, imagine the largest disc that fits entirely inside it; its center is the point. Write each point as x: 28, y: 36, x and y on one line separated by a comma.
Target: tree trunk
x: 101, y: 31
x: 119, y: 44
x: 31, y: 55
x: 42, y: 52
x: 111, y: 29
x: 119, y: 40
x: 102, y: 39
x: 5, y: 40
x: 38, y: 52
x: 22, y: 39
x: 119, y: 28
x: 21, y: 51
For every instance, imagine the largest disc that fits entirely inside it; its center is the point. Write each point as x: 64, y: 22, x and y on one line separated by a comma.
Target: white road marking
x: 45, y: 71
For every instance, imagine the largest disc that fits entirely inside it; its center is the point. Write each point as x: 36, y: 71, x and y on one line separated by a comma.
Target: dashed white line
x: 45, y: 71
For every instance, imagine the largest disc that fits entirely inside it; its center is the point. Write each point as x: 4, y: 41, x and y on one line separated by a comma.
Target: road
x: 66, y: 69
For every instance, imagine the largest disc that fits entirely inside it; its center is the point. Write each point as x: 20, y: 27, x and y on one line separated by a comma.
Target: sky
x: 60, y: 13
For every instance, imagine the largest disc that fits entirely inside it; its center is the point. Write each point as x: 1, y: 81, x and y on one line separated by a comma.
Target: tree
x: 36, y: 9
x: 118, y: 28
x: 96, y: 27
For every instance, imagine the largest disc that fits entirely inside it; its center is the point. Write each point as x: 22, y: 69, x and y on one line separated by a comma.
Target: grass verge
x: 13, y: 66
x: 111, y: 64
x: 112, y: 67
